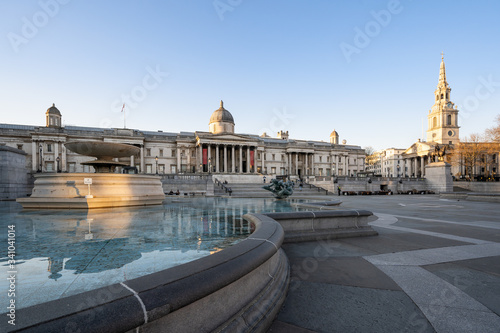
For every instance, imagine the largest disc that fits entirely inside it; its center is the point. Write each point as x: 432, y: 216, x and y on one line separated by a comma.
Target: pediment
x: 225, y: 137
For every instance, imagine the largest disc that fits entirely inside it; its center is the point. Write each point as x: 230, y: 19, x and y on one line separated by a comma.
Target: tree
x: 493, y: 133
x: 468, y: 153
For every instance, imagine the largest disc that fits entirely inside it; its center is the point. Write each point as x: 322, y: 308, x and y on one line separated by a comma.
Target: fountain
x: 103, y: 189
x: 279, y: 188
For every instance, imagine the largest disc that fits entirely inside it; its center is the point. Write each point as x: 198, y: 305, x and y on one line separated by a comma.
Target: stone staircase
x: 255, y: 190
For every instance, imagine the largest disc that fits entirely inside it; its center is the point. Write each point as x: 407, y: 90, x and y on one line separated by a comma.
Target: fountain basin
x: 239, y: 289
x: 69, y: 191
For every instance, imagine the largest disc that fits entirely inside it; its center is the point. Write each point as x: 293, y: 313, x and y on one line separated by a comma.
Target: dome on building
x: 334, y: 133
x: 221, y: 115
x: 53, y: 110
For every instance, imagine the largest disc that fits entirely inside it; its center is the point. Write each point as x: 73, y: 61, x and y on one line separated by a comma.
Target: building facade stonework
x: 218, y: 151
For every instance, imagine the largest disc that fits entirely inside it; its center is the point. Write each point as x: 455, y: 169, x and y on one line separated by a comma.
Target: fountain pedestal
x: 107, y: 189
x: 68, y: 191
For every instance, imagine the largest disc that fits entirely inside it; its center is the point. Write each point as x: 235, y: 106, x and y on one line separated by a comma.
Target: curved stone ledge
x: 331, y: 224
x: 238, y: 289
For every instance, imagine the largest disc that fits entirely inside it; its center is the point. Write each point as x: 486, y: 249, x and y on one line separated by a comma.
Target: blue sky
x: 301, y: 66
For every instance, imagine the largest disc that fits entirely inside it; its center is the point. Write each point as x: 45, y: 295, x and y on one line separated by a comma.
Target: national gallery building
x: 218, y: 151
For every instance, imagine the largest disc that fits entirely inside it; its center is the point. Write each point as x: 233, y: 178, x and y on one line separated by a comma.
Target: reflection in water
x: 83, y: 250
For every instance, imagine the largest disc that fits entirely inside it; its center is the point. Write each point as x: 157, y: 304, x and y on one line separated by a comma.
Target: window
x: 273, y: 170
x: 265, y: 156
x: 282, y: 171
x: 273, y: 157
x: 49, y: 147
x: 434, y: 122
x: 149, y: 168
x: 448, y: 119
x: 328, y: 158
x: 258, y: 156
x: 148, y: 151
x: 71, y: 167
x: 173, y: 168
x: 86, y: 168
x: 320, y: 161
x: 173, y: 153
x: 161, y: 168
x: 161, y: 153
x: 20, y: 146
x: 49, y: 166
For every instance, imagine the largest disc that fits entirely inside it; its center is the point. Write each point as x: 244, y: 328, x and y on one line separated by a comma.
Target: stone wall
x: 13, y: 174
x: 190, y: 184
x: 377, y: 184
x: 481, y: 187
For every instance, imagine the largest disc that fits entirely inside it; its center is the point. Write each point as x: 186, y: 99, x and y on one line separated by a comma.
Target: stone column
x: 225, y: 158
x: 422, y: 165
x: 262, y: 155
x: 248, y: 159
x: 132, y: 160
x: 240, y: 170
x: 414, y: 167
x: 216, y: 158
x: 199, y: 158
x: 34, y: 151
x: 179, y: 159
x: 209, y: 157
x: 63, y: 159
x: 56, y: 154
x: 142, y: 159
x: 346, y: 165
x: 313, y: 164
x: 297, y: 164
x: 306, y: 164
x: 233, y: 165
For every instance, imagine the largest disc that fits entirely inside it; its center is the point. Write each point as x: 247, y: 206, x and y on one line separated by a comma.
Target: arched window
x: 447, y: 96
x: 442, y: 96
x: 448, y: 119
x: 434, y: 122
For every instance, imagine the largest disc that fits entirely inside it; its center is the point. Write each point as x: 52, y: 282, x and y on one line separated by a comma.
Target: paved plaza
x: 434, y: 267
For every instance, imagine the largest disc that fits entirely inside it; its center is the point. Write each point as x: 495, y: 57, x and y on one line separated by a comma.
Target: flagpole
x: 123, y: 110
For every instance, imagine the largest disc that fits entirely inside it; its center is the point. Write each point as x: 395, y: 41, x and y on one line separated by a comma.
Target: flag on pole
x: 123, y: 107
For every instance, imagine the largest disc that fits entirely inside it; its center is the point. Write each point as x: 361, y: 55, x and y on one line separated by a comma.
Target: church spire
x: 442, y: 73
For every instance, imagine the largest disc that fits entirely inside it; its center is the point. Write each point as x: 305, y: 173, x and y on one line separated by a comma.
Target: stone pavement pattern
x: 434, y: 267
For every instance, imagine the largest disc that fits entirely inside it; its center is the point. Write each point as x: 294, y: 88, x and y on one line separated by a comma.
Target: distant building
x: 386, y: 163
x: 219, y: 151
x: 443, y: 134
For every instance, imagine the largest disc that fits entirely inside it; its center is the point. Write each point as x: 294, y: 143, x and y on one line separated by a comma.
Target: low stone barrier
x: 239, y: 289
x: 309, y: 226
x: 486, y: 197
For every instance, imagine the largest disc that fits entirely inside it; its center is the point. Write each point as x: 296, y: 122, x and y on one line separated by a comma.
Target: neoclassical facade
x: 218, y: 151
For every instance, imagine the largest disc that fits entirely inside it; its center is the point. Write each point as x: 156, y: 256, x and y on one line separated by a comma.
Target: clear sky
x: 367, y: 69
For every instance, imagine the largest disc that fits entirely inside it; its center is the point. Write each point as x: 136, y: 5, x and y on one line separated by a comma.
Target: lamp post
x: 58, y: 159
x: 40, y: 166
x: 201, y: 168
x: 156, y: 159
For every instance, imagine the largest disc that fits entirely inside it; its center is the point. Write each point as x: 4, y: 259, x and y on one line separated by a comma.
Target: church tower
x: 443, y: 117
